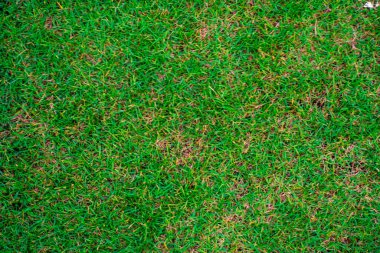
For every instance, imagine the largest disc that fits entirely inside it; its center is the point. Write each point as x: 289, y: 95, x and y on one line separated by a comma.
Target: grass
x: 197, y: 126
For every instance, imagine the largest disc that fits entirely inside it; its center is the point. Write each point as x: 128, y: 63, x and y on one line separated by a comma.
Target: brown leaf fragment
x: 49, y: 23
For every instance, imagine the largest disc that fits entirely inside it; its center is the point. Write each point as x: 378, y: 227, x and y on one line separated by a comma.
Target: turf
x: 197, y: 126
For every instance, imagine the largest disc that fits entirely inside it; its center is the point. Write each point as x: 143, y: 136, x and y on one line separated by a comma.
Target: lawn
x: 189, y: 126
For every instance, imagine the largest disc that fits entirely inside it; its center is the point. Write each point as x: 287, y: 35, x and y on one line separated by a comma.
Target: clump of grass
x: 198, y: 126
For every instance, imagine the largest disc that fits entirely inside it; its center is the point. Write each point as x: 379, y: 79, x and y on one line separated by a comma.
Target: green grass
x: 205, y: 126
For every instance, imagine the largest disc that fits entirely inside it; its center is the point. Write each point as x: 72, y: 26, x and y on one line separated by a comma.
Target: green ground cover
x: 189, y: 126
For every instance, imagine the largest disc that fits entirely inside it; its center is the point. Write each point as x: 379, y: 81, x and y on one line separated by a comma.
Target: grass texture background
x: 189, y: 126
